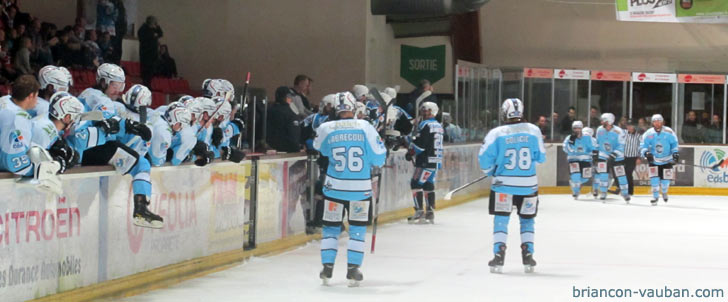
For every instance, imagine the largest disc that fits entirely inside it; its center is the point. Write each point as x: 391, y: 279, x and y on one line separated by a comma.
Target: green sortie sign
x: 419, y: 63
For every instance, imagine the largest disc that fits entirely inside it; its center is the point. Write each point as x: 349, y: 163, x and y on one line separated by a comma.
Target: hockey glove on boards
x: 138, y: 129
x: 109, y: 125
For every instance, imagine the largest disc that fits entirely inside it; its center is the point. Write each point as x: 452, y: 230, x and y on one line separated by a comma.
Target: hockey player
x: 17, y: 154
x: 137, y: 98
x: 221, y: 138
x: 52, y: 79
x: 175, y: 119
x: 610, y: 141
x: 98, y: 143
x: 660, y: 146
x: 426, y: 151
x: 578, y: 148
x: 595, y: 156
x: 509, y: 154
x: 48, y: 131
x: 353, y: 147
x: 189, y: 136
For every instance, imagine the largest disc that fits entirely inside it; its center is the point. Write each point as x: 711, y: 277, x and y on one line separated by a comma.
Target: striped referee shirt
x: 632, y: 144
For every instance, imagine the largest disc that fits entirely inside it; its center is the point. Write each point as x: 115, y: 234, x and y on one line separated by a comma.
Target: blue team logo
x: 529, y: 205
x: 608, y: 147
x: 119, y: 163
x: 16, y: 139
x: 659, y: 148
x: 358, y: 210
x: 580, y: 149
x: 710, y: 158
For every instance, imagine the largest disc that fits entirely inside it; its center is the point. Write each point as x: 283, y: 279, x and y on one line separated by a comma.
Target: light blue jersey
x: 181, y: 144
x: 353, y: 148
x: 38, y: 112
x: 45, y: 133
x: 86, y: 136
x: 581, y: 149
x: 662, y: 145
x: 611, y: 143
x: 96, y: 100
x: 15, y: 139
x: 509, y: 154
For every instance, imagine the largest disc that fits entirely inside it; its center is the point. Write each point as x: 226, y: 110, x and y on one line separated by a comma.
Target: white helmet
x: 391, y: 92
x: 608, y: 117
x: 587, y: 131
x: 63, y: 103
x: 177, y: 113
x: 110, y: 73
x: 577, y: 125
x: 361, y: 108
x: 207, y: 105
x: 359, y: 91
x: 446, y: 117
x: 183, y: 99
x: 430, y: 106
x: 657, y: 117
x: 224, y: 108
x: 228, y: 89
x: 512, y: 108
x: 345, y: 101
x: 216, y: 88
x: 68, y: 75
x: 51, y: 75
x: 137, y: 96
x: 194, y: 105
x: 329, y: 99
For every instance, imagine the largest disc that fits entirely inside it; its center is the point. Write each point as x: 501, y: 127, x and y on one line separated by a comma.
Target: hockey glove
x: 572, y: 138
x: 595, y: 155
x: 650, y: 158
x: 61, y: 149
x: 200, y: 149
x: 676, y: 157
x: 109, y: 126
x: 138, y: 129
x: 204, y: 159
x: 613, y: 155
x: 239, y: 123
x: 63, y: 162
x: 232, y: 154
x: 216, y: 136
x: 410, y: 155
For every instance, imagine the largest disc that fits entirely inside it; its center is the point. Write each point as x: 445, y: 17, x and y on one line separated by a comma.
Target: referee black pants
x: 629, y: 166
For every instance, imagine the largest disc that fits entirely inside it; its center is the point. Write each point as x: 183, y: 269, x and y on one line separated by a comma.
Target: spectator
x: 106, y: 47
x: 690, y: 131
x: 34, y: 33
x: 7, y: 73
x: 631, y: 153
x: 283, y: 124
x: 410, y: 104
x: 149, y: 35
x: 565, y: 125
x: 543, y: 125
x: 81, y: 24
x: 715, y: 130
x: 705, y: 119
x: 8, y: 17
x: 22, y: 58
x: 166, y: 66
x: 453, y: 133
x: 622, y: 122
x: 121, y: 28
x: 21, y: 31
x: 92, y: 51
x: 642, y: 125
x: 77, y: 35
x: 594, y: 120
x: 62, y: 52
x: 300, y: 105
x: 106, y: 14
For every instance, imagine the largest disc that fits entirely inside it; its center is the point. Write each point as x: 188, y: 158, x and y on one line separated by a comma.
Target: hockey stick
x: 91, y: 116
x: 448, y: 196
x: 240, y: 106
x: 383, y: 104
x: 713, y: 167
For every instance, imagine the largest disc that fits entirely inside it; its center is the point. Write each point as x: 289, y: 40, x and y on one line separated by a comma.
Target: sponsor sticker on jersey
x: 573, y: 167
x: 16, y: 139
x: 503, y: 202
x: 333, y: 211
x: 359, y: 210
x: 529, y: 205
x: 668, y: 174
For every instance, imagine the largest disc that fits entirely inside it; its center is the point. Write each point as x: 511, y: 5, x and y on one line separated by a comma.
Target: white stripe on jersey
x: 356, y: 185
x: 93, y: 136
x: 517, y: 181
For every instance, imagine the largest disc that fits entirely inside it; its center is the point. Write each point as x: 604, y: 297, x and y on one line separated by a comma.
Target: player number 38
x: 521, y: 158
x: 350, y: 159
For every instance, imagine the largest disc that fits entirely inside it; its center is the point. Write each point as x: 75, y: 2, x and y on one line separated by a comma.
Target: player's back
x: 353, y: 147
x: 510, y: 153
x: 44, y: 133
x: 15, y: 138
x: 95, y: 100
x: 161, y: 141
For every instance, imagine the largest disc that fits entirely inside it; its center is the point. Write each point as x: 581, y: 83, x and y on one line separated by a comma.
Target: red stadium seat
x: 158, y: 99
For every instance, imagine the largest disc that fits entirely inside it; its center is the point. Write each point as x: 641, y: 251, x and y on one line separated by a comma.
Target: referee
x: 631, y: 153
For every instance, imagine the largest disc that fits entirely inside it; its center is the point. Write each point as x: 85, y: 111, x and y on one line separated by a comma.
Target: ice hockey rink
x: 579, y: 245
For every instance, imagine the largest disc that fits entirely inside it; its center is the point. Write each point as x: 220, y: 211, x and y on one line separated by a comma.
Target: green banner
x: 676, y: 11
x: 418, y: 64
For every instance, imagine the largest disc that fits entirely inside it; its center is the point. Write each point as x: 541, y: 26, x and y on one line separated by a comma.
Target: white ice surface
x: 681, y: 244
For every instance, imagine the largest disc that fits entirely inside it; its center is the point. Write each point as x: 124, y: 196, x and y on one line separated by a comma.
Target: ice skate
x: 354, y: 275
x: 496, y: 265
x: 326, y: 273
x: 664, y: 197
x: 419, y: 215
x: 576, y: 196
x: 527, y: 257
x: 430, y: 216
x: 595, y: 193
x: 654, y: 201
x: 603, y: 197
x: 143, y: 217
x: 627, y: 198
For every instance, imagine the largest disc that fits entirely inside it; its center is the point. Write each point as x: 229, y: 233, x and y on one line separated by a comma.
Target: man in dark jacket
x: 284, y: 129
x: 149, y: 35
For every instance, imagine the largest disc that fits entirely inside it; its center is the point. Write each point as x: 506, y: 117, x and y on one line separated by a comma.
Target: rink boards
x: 85, y: 238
